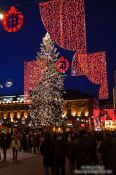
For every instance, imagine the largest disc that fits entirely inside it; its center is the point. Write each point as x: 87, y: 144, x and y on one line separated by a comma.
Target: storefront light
x: 86, y: 113
x: 79, y: 114
x: 12, y: 120
x: 73, y: 113
x: 64, y: 114
x: 18, y: 115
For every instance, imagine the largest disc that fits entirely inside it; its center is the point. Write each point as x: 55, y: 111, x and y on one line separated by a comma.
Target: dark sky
x: 15, y: 48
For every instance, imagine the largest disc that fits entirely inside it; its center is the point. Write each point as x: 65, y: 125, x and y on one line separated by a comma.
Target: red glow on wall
x: 110, y: 113
x: 82, y: 125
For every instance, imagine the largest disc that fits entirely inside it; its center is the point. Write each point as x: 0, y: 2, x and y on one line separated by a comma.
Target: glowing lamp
x: 11, y: 114
x: 79, y: 114
x: 59, y: 130
x: 12, y: 120
x: 73, y: 113
x: 25, y: 114
x: 18, y: 115
x: 86, y: 113
x: 1, y: 16
x: 82, y: 125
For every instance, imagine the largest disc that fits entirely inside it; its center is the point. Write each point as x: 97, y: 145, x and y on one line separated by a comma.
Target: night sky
x: 15, y: 48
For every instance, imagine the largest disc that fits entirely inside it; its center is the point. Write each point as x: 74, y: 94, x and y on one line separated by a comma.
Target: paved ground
x: 21, y: 155
x: 27, y: 164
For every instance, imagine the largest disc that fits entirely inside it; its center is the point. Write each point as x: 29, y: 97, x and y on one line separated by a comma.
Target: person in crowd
x: 83, y: 150
x: 27, y: 142
x: 0, y: 147
x: 59, y: 155
x: 93, y: 142
x: 4, y: 145
x: 35, y: 143
x: 31, y: 143
x: 20, y: 138
x: 15, y: 145
x: 99, y: 138
x: 69, y: 152
x: 108, y: 151
x: 38, y: 142
x: 46, y: 150
x: 9, y: 139
x: 24, y: 143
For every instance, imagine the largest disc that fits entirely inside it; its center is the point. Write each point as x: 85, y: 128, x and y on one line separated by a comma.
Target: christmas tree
x: 47, y: 101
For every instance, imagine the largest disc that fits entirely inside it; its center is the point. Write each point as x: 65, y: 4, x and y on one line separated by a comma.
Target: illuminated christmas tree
x: 47, y: 101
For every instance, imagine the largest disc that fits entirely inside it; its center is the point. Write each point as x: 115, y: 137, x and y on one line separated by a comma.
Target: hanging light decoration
x: 33, y: 72
x: 9, y: 83
x: 62, y: 65
x: 13, y: 20
x: 1, y: 86
x: 66, y: 24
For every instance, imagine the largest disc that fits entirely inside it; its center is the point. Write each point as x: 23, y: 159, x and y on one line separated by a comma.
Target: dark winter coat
x: 69, y: 150
x: 108, y: 151
x: 4, y: 143
x: 82, y: 152
x: 46, y: 150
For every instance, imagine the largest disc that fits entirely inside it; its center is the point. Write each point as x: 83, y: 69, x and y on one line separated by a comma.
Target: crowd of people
x: 85, y: 151
x: 18, y: 142
x: 82, y: 150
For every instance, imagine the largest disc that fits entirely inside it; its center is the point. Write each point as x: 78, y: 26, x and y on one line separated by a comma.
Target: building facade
x: 77, y: 114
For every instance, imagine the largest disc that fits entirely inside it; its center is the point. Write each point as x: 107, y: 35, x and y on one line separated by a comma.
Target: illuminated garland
x: 93, y: 67
x: 33, y: 71
x: 13, y: 20
x: 76, y: 68
x: 62, y: 65
x: 65, y: 22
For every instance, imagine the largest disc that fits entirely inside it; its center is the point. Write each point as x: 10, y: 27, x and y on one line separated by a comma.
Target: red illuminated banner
x: 33, y: 71
x: 64, y: 20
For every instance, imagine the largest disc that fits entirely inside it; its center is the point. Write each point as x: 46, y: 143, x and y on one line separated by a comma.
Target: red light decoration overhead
x: 65, y: 22
x: 93, y: 66
x: 13, y: 20
x: 33, y: 72
x: 62, y: 65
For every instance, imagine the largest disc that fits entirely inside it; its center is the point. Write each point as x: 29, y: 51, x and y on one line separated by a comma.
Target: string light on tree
x: 13, y: 20
x: 47, y: 101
